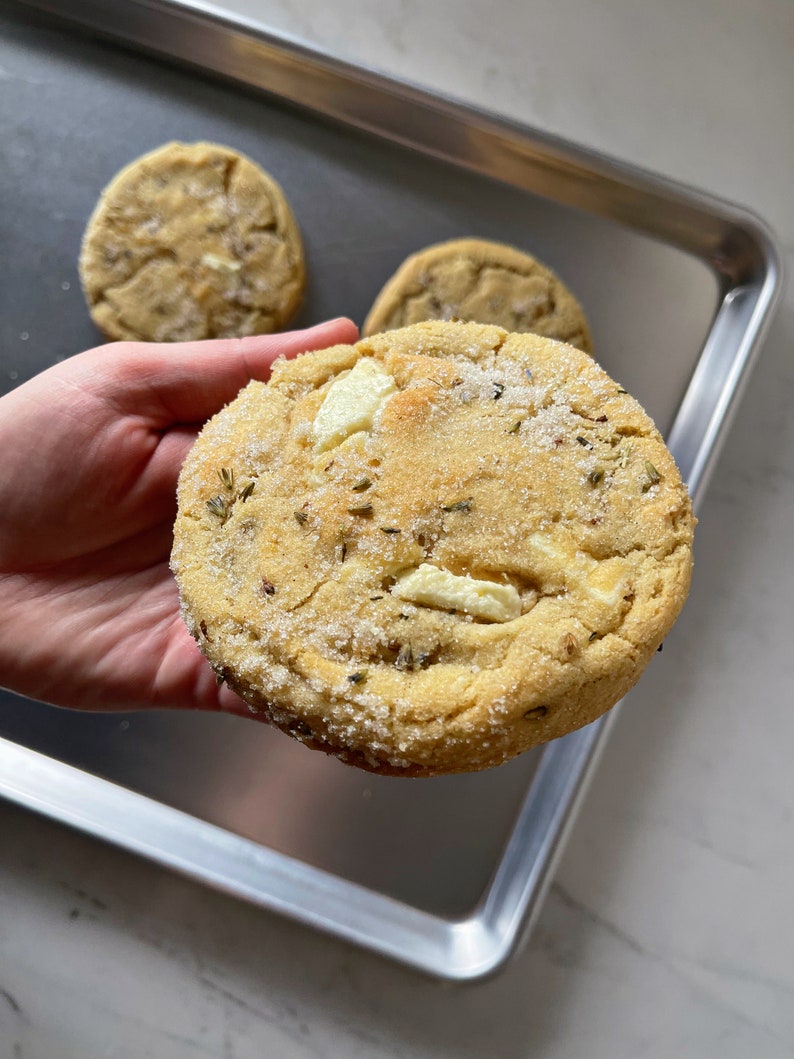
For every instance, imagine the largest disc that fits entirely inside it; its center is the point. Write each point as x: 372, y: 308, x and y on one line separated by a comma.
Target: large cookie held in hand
x: 192, y: 241
x: 432, y: 550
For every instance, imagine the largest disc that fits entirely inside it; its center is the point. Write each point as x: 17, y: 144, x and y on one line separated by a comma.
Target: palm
x: 114, y: 635
x: 92, y: 612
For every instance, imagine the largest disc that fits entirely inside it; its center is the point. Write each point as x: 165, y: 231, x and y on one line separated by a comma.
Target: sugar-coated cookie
x: 481, y: 281
x: 192, y: 241
x: 432, y: 550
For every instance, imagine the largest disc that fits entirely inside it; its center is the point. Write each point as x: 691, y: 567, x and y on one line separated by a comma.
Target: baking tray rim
x: 743, y: 253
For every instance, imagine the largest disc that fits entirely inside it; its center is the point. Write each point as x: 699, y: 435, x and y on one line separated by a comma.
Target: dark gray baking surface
x: 72, y: 112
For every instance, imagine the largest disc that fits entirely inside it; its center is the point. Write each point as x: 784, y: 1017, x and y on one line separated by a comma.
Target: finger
x: 187, y: 382
x: 229, y: 702
x: 152, y: 497
x: 186, y: 681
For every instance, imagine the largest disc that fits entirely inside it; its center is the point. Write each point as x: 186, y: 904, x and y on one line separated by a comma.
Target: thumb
x: 187, y: 382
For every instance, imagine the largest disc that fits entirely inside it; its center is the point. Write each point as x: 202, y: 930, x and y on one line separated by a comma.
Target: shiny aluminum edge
x: 732, y: 242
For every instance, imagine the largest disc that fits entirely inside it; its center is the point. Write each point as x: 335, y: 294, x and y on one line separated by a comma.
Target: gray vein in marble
x: 288, y: 1021
x: 674, y: 966
x: 86, y: 898
x: 11, y: 1000
x: 742, y: 974
x: 18, y: 1021
x: 598, y: 920
x: 128, y: 1020
x: 684, y: 831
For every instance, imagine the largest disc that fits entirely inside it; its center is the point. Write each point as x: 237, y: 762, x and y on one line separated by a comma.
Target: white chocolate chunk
x: 353, y: 446
x: 351, y: 403
x: 555, y: 549
x: 220, y: 264
x: 605, y: 581
x: 431, y: 587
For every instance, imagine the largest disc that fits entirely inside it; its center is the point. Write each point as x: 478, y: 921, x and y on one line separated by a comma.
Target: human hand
x: 91, y: 451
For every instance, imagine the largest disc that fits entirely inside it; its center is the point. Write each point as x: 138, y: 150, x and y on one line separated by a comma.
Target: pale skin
x: 91, y: 454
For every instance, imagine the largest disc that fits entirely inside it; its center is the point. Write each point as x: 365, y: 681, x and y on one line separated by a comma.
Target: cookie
x: 432, y: 550
x: 482, y: 281
x: 191, y: 241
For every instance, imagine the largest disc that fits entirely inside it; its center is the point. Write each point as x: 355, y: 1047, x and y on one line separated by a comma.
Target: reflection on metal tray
x: 442, y: 874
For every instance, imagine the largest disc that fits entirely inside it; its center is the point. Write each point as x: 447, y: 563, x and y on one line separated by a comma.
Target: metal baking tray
x: 443, y: 874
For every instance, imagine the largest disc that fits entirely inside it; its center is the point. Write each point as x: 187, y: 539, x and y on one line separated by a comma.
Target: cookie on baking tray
x: 432, y: 550
x: 482, y: 281
x: 192, y: 241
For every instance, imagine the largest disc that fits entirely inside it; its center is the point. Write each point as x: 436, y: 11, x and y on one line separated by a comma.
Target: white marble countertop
x: 670, y: 928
